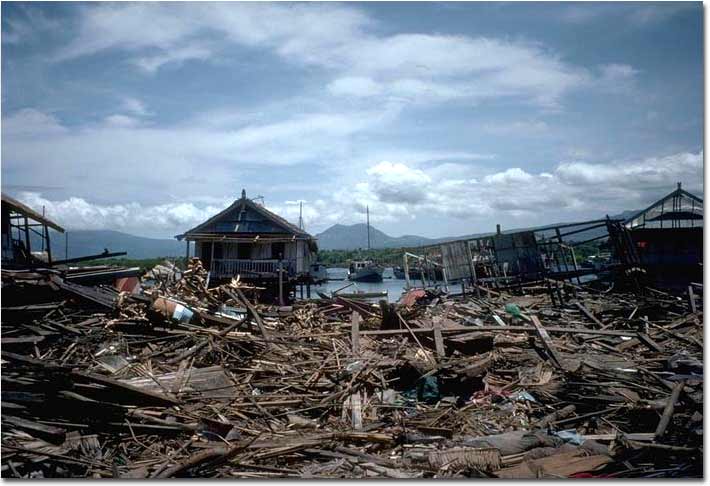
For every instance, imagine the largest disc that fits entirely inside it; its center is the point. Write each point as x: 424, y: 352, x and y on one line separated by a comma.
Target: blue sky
x: 444, y: 118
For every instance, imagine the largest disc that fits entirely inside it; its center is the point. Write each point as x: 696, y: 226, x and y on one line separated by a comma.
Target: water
x: 393, y: 286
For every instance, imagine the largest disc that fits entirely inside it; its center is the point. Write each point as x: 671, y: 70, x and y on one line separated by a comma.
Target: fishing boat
x: 365, y: 270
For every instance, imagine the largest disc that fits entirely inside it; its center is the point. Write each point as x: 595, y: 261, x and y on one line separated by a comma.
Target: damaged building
x: 668, y: 238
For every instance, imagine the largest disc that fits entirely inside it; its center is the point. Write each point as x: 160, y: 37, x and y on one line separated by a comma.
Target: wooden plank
x: 547, y: 342
x: 529, y: 329
x: 588, y: 314
x: 134, y: 392
x: 254, y: 313
x: 669, y: 409
x: 558, y: 465
x: 53, y: 434
x: 691, y: 298
x: 355, y: 333
x: 650, y: 343
x: 356, y: 406
x: 22, y: 340
x: 439, y: 340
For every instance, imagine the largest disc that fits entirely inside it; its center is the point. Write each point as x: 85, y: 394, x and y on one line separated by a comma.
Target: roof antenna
x: 244, y: 194
x: 300, y: 215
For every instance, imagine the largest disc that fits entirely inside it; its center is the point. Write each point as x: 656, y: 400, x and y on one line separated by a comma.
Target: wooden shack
x: 25, y: 235
x: 248, y: 240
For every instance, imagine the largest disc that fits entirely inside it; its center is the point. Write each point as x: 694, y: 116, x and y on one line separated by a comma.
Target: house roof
x: 685, y: 207
x: 245, y: 203
x: 17, y: 206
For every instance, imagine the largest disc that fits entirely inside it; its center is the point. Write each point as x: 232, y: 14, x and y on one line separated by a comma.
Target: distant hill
x: 337, y: 237
x: 354, y: 236
x: 91, y: 242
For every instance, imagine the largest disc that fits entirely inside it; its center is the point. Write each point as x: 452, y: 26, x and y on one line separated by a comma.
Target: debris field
x: 183, y: 381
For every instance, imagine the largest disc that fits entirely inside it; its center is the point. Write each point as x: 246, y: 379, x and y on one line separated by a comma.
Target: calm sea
x: 393, y: 286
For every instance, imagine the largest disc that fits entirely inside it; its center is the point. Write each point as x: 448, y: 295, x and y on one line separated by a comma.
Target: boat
x: 365, y: 271
x: 360, y: 294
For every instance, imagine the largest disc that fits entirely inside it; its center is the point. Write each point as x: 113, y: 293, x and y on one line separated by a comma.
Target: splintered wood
x: 209, y: 383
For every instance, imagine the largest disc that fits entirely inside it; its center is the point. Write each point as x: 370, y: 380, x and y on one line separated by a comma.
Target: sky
x: 443, y: 118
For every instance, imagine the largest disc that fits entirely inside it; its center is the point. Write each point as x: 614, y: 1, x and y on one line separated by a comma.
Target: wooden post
x: 472, y: 269
x: 423, y: 271
x: 211, y: 255
x: 281, y: 284
x: 66, y: 245
x: 574, y: 262
x: 446, y: 279
x: 691, y: 297
x: 49, y: 246
x: 187, y: 252
x: 439, y: 340
x: 308, y: 290
x: 406, y: 271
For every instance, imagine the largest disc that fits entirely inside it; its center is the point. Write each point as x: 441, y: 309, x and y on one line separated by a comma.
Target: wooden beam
x: 439, y: 341
x: 547, y: 342
x: 668, y: 411
x: 529, y: 329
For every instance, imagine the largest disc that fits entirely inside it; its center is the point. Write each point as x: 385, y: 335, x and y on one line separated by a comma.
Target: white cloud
x: 156, y: 162
x: 338, y: 38
x: 617, y: 78
x: 151, y: 64
x: 354, y: 86
x: 398, y: 183
x: 135, y: 106
x: 577, y: 190
x: 31, y: 122
x: 76, y: 213
x: 397, y: 192
x: 513, y: 175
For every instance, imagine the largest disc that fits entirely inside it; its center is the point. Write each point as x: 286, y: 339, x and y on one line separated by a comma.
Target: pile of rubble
x: 182, y: 381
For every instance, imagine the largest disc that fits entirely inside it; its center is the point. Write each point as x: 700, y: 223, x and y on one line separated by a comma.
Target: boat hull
x: 366, y: 275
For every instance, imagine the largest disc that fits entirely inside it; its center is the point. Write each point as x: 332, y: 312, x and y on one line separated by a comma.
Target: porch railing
x: 228, y: 267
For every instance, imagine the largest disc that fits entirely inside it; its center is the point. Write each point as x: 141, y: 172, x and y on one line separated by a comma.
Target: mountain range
x: 337, y: 237
x: 93, y: 242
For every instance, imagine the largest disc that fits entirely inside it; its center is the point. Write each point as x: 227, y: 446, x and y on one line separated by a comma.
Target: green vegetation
x: 582, y: 252
x: 341, y: 258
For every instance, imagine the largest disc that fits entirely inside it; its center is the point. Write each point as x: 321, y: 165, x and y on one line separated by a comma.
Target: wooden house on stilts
x: 248, y: 240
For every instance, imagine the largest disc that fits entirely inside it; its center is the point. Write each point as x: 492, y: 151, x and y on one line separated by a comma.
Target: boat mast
x: 300, y: 215
x: 368, y: 227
